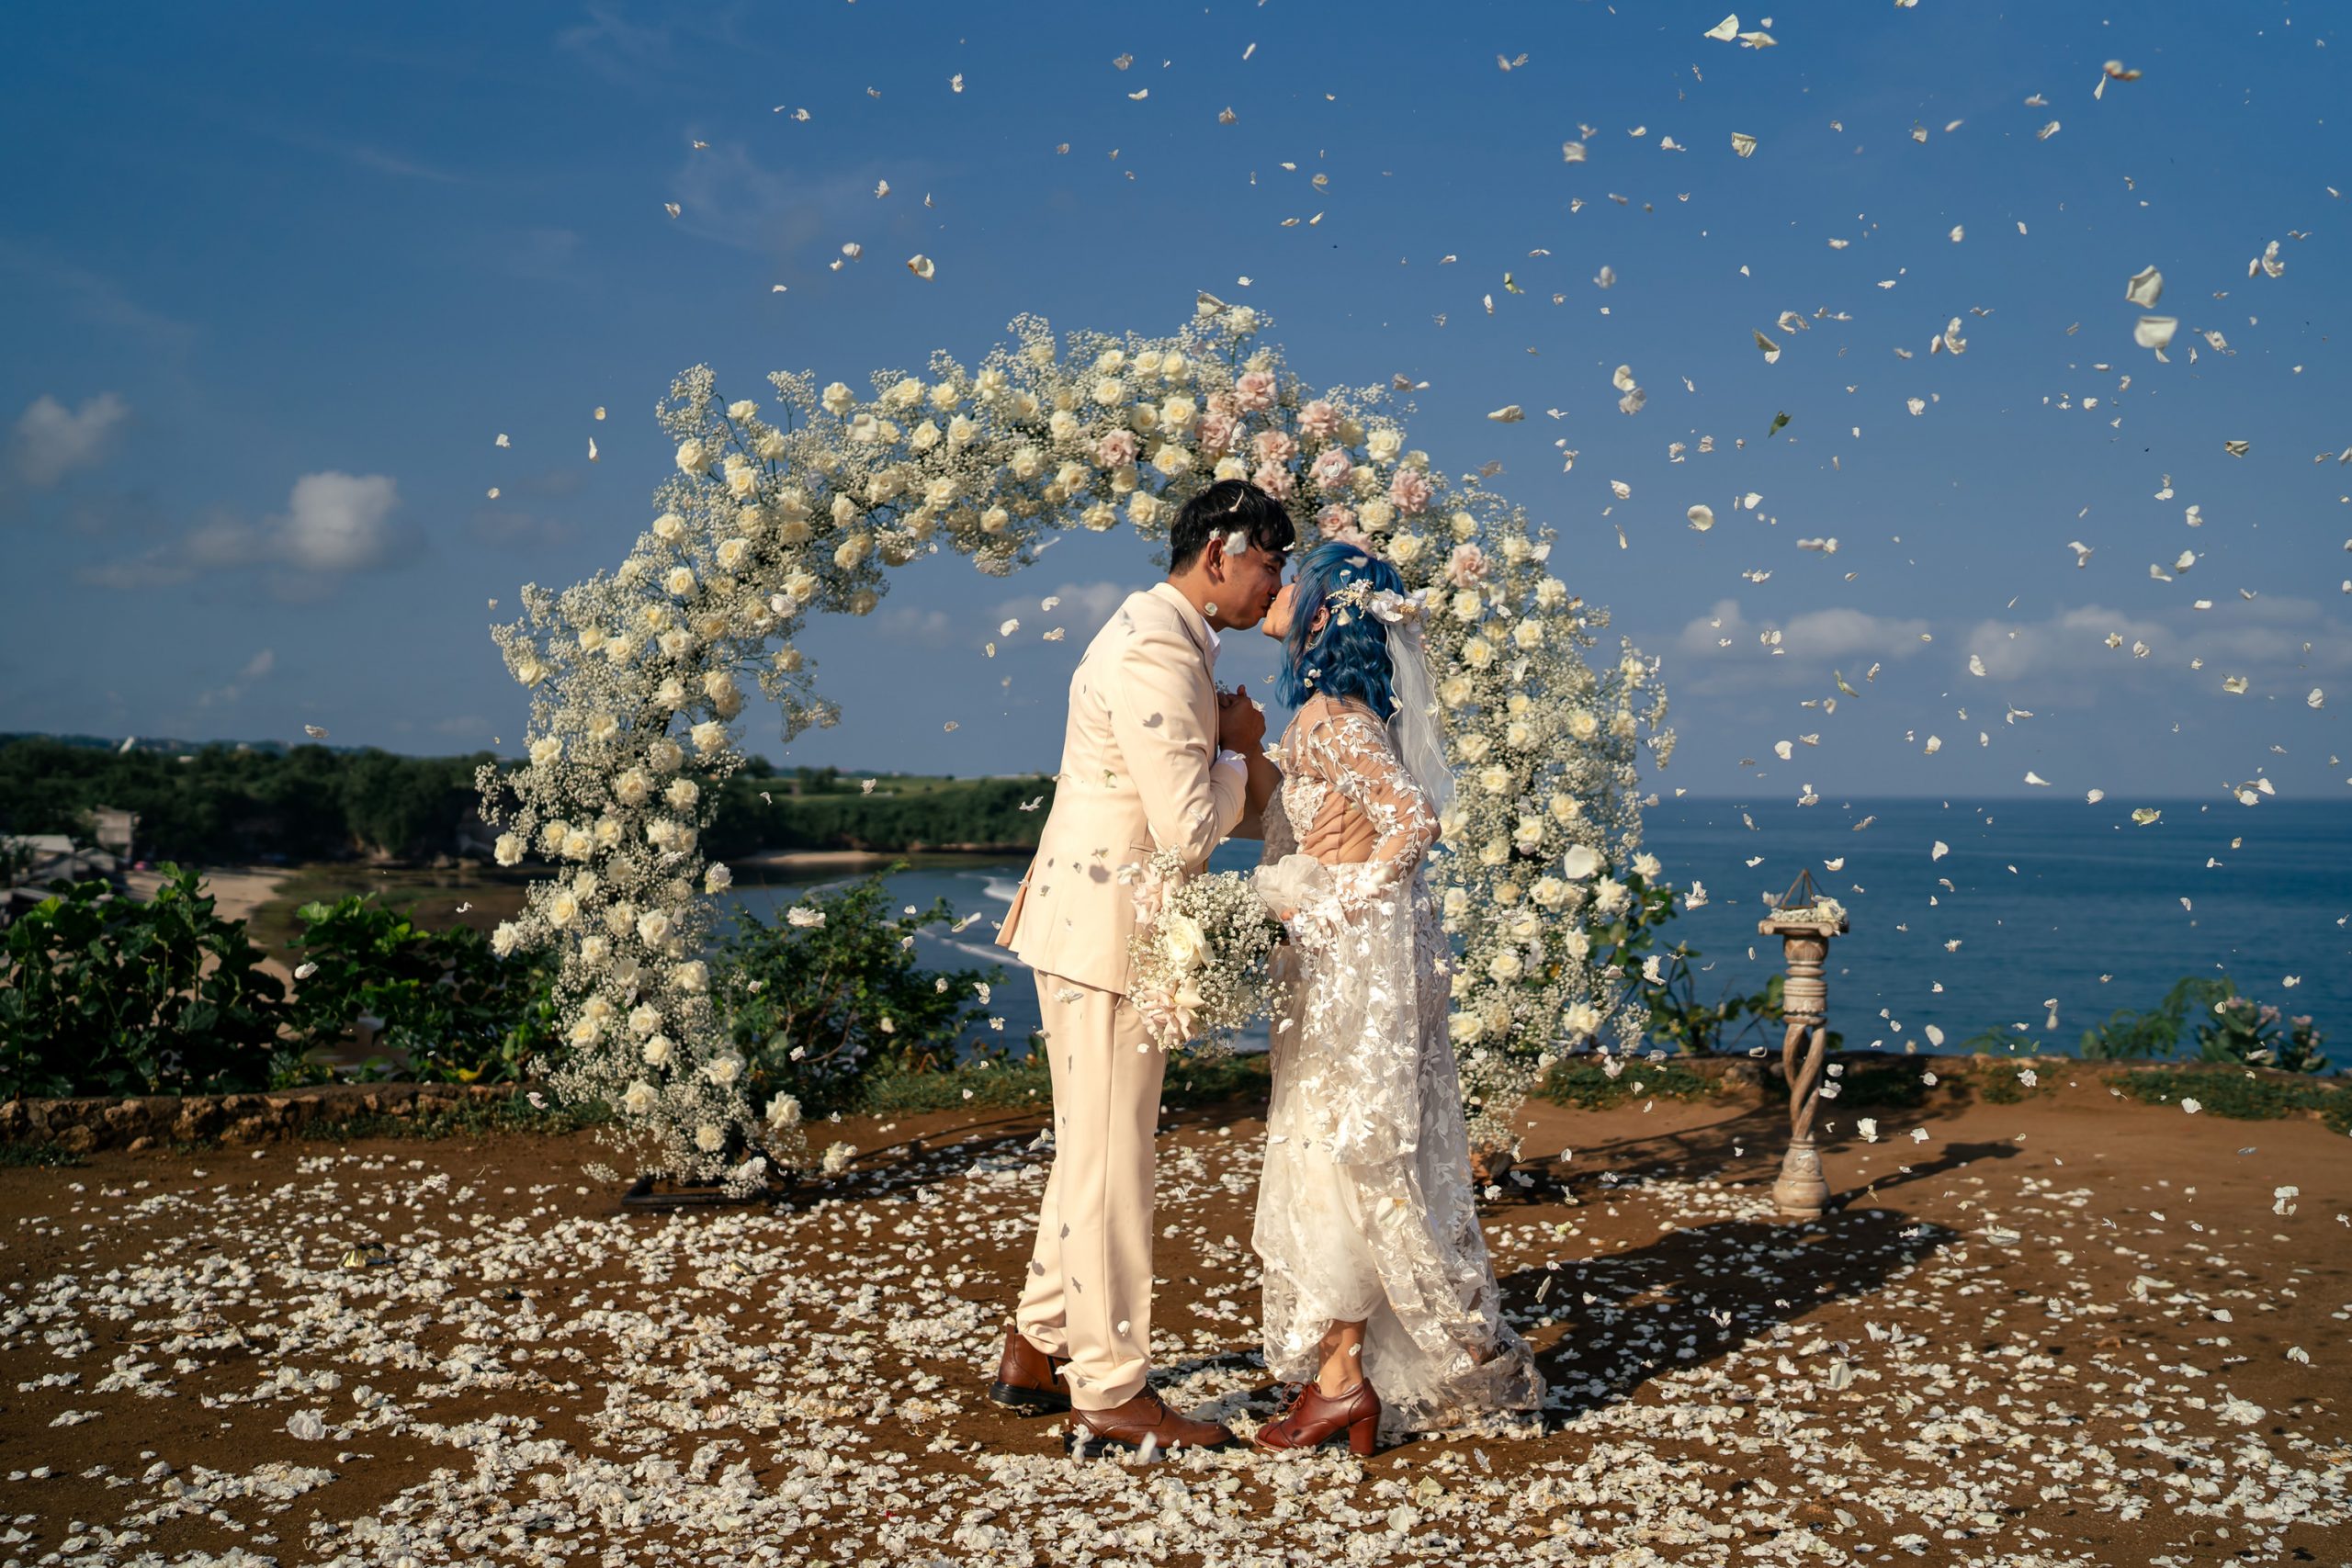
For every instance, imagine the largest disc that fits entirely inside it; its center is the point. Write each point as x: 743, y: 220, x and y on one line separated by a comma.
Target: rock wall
x: 79, y: 1126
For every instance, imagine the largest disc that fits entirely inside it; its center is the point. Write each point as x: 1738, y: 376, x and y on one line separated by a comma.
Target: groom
x: 1154, y: 756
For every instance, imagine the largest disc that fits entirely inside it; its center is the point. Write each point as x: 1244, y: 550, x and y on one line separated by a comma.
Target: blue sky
x: 271, y: 282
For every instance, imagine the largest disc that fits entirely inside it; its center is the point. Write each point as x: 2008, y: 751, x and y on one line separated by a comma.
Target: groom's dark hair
x: 1223, y: 507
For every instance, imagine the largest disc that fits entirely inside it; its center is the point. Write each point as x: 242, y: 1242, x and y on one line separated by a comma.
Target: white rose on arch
x: 760, y: 523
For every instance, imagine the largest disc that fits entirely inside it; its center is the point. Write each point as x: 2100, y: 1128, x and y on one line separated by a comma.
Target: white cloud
x: 1811, y: 642
x: 1084, y: 607
x: 904, y: 624
x: 727, y: 194
x: 51, y: 440
x: 2064, y: 643
x: 335, y: 523
x: 2279, y: 635
x: 259, y: 665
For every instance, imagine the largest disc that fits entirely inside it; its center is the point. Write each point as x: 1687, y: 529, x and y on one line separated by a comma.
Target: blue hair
x: 1349, y: 658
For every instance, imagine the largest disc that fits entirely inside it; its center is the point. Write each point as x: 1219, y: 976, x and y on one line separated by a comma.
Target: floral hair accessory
x: 1383, y: 603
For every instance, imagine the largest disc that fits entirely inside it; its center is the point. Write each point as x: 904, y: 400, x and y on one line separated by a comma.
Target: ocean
x: 2038, y: 910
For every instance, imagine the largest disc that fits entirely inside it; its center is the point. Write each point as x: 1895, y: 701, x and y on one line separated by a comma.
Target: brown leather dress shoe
x: 1146, y: 1419
x: 1028, y: 1380
x: 1315, y: 1418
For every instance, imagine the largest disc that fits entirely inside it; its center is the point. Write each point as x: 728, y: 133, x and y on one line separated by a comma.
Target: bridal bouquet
x: 1201, y: 947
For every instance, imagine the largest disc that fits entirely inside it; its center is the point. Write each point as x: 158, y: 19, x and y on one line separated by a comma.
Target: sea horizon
x: 2045, y: 903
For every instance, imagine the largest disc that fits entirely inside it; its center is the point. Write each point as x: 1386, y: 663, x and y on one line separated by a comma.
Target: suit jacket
x: 1139, y: 772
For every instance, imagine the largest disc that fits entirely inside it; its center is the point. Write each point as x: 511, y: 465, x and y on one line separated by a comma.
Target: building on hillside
x: 114, y: 830
x: 30, y: 862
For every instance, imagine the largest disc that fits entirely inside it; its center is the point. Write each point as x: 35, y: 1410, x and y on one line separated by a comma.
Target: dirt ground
x: 2072, y: 1330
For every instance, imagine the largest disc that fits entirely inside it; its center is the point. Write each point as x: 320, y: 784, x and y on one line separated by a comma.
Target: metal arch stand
x: 642, y: 1198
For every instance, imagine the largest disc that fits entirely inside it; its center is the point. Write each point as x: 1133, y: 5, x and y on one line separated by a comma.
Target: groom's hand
x: 1240, y: 723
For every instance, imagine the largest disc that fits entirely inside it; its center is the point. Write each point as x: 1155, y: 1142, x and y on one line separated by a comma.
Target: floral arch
x: 637, y: 676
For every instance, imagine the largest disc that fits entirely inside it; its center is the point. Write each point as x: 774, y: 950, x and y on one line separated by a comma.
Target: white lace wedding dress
x: 1365, y: 1210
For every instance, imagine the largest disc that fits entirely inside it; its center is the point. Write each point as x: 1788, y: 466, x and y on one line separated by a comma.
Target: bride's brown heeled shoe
x: 1315, y: 1418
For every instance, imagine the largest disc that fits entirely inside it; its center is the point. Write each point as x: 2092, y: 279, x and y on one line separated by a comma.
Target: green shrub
x: 44, y: 1155
x: 1582, y: 1082
x: 2241, y: 1030
x: 103, y: 995
x: 1893, y: 1083
x: 2007, y: 1082
x: 2236, y: 1093
x: 1678, y: 1021
x: 2139, y: 1036
x: 816, y: 1007
x: 1024, y: 1082
x: 457, y: 1011
x: 2229, y: 1029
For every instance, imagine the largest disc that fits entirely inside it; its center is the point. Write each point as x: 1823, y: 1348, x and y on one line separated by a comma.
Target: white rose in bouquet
x: 1182, y: 939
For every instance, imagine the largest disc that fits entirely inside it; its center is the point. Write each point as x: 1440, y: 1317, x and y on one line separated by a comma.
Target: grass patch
x: 1585, y: 1085
x: 1013, y: 1085
x: 469, y: 1118
x: 2004, y: 1083
x: 1896, y: 1084
x: 2238, y: 1094
x: 1001, y: 1087
x: 40, y: 1156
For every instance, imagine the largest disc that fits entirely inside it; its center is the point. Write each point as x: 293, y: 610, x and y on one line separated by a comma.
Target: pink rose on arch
x: 1222, y: 401
x: 1274, y: 479
x: 1319, y: 419
x: 1467, y: 566
x: 1336, y: 522
x: 1215, y: 431
x: 1254, y: 390
x: 1117, y: 449
x: 1333, y: 470
x: 1411, y: 491
x: 1273, y: 447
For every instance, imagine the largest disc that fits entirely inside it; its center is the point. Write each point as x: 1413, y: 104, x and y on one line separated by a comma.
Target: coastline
x: 803, y: 859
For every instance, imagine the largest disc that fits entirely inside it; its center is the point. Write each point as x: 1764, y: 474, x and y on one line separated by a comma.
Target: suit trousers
x: 1088, y: 1295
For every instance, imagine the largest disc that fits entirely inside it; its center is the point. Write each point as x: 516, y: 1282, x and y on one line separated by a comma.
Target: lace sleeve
x: 1351, y: 752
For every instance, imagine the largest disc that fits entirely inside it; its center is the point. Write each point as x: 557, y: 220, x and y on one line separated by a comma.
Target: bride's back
x: 1343, y: 832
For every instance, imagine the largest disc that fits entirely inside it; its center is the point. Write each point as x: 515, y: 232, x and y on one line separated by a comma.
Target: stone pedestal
x: 1804, y: 932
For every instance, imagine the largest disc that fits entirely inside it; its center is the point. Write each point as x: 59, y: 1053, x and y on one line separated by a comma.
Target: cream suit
x: 1140, y: 770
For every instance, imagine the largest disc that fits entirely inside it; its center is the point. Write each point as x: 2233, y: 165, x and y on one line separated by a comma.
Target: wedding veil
x: 1420, y: 742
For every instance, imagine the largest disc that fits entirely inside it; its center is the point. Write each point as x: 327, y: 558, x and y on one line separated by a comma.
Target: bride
x: 1378, y: 1290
